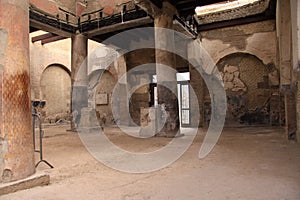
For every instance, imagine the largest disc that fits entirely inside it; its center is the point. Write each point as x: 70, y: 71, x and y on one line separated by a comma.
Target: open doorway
x: 183, y: 92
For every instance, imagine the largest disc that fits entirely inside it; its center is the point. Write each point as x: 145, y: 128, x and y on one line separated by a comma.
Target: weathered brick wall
x: 250, y: 86
x: 105, y: 87
x: 258, y: 39
x: 246, y: 57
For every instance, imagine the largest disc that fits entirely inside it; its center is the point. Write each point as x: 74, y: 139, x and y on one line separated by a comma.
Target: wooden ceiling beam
x: 53, y: 39
x: 42, y: 37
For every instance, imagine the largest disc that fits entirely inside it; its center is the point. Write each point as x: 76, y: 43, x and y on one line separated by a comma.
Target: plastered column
x: 295, y: 15
x: 166, y: 78
x: 79, y: 78
x: 16, y: 142
x: 285, y: 47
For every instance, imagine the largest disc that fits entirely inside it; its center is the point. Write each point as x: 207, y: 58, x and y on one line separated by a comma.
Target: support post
x: 165, y: 77
x: 284, y: 35
x: 16, y: 141
x: 79, y: 77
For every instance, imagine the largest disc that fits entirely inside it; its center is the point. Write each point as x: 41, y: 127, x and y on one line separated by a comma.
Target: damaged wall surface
x: 247, y: 60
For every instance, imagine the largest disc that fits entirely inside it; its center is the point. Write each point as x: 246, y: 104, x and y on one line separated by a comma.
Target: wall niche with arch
x: 252, y: 89
x: 55, y: 85
x: 104, y: 82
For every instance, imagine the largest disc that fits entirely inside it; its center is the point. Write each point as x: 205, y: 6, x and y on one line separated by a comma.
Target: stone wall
x: 258, y: 39
x: 247, y: 60
x: 250, y: 86
x: 55, y: 89
x: 103, y: 98
x: 55, y: 57
x: 42, y: 56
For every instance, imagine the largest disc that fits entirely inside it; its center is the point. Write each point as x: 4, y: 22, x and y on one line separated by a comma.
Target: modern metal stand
x: 35, y: 116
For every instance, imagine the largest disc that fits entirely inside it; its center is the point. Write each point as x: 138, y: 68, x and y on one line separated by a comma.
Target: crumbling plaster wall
x: 108, y: 85
x: 258, y: 39
x: 246, y: 56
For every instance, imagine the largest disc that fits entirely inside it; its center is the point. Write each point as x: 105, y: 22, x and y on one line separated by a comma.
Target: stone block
x: 88, y: 118
x: 30, y: 182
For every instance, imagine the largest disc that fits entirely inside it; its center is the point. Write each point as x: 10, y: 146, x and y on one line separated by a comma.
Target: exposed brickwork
x: 258, y: 39
x: 256, y: 90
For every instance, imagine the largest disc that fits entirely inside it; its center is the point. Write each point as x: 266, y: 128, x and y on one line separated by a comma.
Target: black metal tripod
x: 35, y: 116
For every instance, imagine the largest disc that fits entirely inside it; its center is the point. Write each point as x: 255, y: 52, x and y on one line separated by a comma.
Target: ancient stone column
x: 79, y: 77
x: 16, y: 142
x: 295, y: 15
x: 285, y: 62
x: 122, y: 91
x: 166, y: 95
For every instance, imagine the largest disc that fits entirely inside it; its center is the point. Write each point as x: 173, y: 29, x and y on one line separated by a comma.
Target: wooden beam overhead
x: 32, y: 29
x: 42, y: 37
x: 53, y: 39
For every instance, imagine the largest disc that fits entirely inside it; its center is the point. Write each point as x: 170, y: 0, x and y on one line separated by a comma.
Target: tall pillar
x: 16, y: 142
x: 166, y: 96
x: 295, y: 15
x: 285, y: 46
x: 79, y: 76
x: 122, y: 91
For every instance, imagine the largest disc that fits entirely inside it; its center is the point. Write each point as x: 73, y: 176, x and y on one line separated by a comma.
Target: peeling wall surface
x: 247, y: 60
x: 103, y: 99
x: 258, y: 39
x: 252, y: 90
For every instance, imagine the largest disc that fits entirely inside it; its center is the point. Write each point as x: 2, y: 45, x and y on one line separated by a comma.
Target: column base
x: 35, y: 180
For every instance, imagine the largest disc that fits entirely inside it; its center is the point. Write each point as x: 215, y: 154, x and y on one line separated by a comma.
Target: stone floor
x: 247, y: 163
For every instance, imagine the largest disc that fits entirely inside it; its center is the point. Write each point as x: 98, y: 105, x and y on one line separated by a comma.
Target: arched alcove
x: 252, y: 90
x: 56, y: 90
x: 105, y: 83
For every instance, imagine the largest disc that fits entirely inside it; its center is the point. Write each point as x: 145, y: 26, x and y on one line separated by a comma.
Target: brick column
x: 79, y: 71
x: 16, y: 142
x: 166, y: 96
